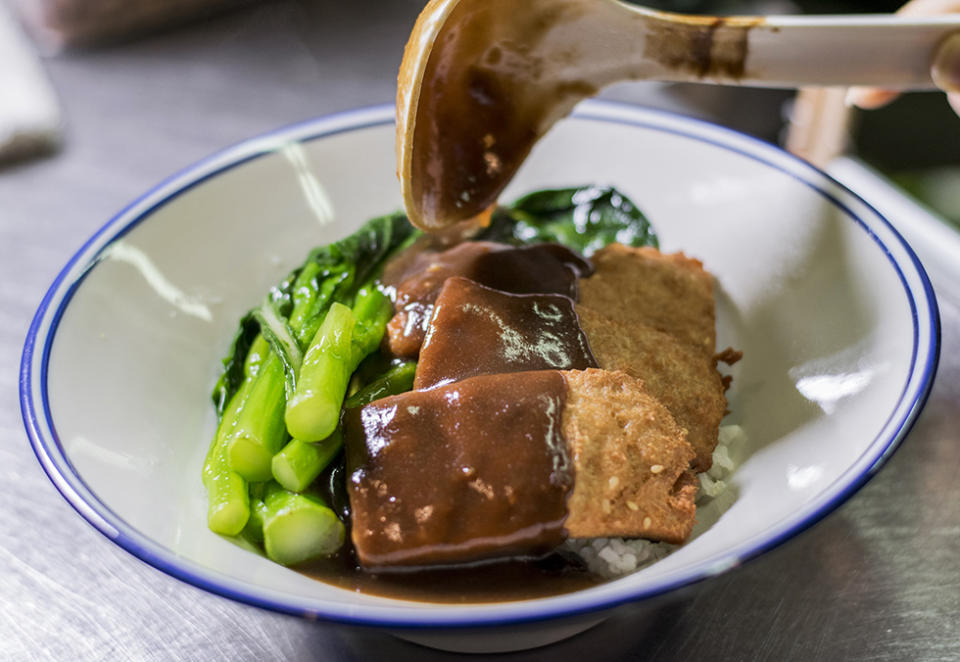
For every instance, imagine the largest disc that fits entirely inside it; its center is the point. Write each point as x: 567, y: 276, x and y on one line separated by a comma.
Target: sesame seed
x: 613, y: 482
x: 647, y: 522
x: 632, y: 506
x: 605, y: 504
x: 657, y: 468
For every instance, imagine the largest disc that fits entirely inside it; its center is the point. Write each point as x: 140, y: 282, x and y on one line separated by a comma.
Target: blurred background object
x: 915, y: 141
x: 29, y: 112
x: 59, y: 23
x: 819, y: 125
x: 772, y: 6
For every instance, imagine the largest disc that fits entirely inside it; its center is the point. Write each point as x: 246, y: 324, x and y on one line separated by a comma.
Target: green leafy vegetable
x: 585, y: 219
x: 227, y: 498
x: 332, y: 273
x: 281, y: 298
x: 366, y: 247
x: 250, y: 398
x: 232, y: 376
x: 313, y: 411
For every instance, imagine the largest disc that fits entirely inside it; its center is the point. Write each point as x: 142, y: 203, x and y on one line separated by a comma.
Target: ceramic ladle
x: 482, y: 80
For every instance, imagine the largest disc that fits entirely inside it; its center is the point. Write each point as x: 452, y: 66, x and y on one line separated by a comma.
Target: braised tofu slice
x: 476, y: 330
x: 460, y: 473
x: 418, y: 279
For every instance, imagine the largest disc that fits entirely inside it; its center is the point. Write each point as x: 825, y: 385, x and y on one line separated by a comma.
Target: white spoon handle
x: 889, y: 51
x: 629, y: 42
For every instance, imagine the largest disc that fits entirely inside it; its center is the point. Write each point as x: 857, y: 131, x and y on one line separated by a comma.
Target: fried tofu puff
x: 682, y: 378
x: 668, y: 291
x: 631, y: 461
x: 651, y: 314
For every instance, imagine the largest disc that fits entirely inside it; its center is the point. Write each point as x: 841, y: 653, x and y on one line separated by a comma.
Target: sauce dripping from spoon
x: 482, y: 80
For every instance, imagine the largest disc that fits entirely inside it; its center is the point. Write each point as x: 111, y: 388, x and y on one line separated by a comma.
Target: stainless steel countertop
x: 879, y: 579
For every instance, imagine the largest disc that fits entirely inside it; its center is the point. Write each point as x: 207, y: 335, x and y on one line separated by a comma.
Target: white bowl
x: 834, y: 314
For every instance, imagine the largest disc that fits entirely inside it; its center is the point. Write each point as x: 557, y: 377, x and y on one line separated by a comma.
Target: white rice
x: 613, y: 557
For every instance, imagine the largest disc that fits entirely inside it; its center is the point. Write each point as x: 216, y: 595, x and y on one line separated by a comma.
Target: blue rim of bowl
x: 49, y: 452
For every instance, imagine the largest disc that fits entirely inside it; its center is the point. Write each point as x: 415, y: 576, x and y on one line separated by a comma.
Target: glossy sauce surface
x: 476, y: 330
x: 484, y: 99
x: 473, y: 470
x: 418, y: 276
x: 502, y: 581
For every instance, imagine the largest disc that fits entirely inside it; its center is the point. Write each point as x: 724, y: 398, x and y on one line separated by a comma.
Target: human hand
x: 945, y: 69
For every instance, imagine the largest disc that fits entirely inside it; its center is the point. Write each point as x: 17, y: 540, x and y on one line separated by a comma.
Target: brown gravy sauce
x: 504, y: 580
x: 715, y: 46
x: 476, y: 330
x: 476, y: 124
x: 417, y: 276
x: 491, y: 582
x: 461, y: 473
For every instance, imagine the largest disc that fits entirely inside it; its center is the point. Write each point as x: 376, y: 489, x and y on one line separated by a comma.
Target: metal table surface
x: 879, y: 579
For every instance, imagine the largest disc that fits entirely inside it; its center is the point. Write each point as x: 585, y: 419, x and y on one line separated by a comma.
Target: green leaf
x: 584, y: 218
x: 365, y: 248
x: 232, y: 376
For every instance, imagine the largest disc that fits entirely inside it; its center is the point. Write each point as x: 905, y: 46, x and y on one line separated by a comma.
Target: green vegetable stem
x: 314, y: 410
x: 258, y: 430
x: 398, y: 379
x: 293, y: 527
x: 300, y: 462
x: 253, y: 530
x: 227, y: 495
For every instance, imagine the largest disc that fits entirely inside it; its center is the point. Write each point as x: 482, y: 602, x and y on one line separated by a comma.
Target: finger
x: 954, y: 101
x: 946, y: 64
x: 929, y: 7
x: 869, y: 98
